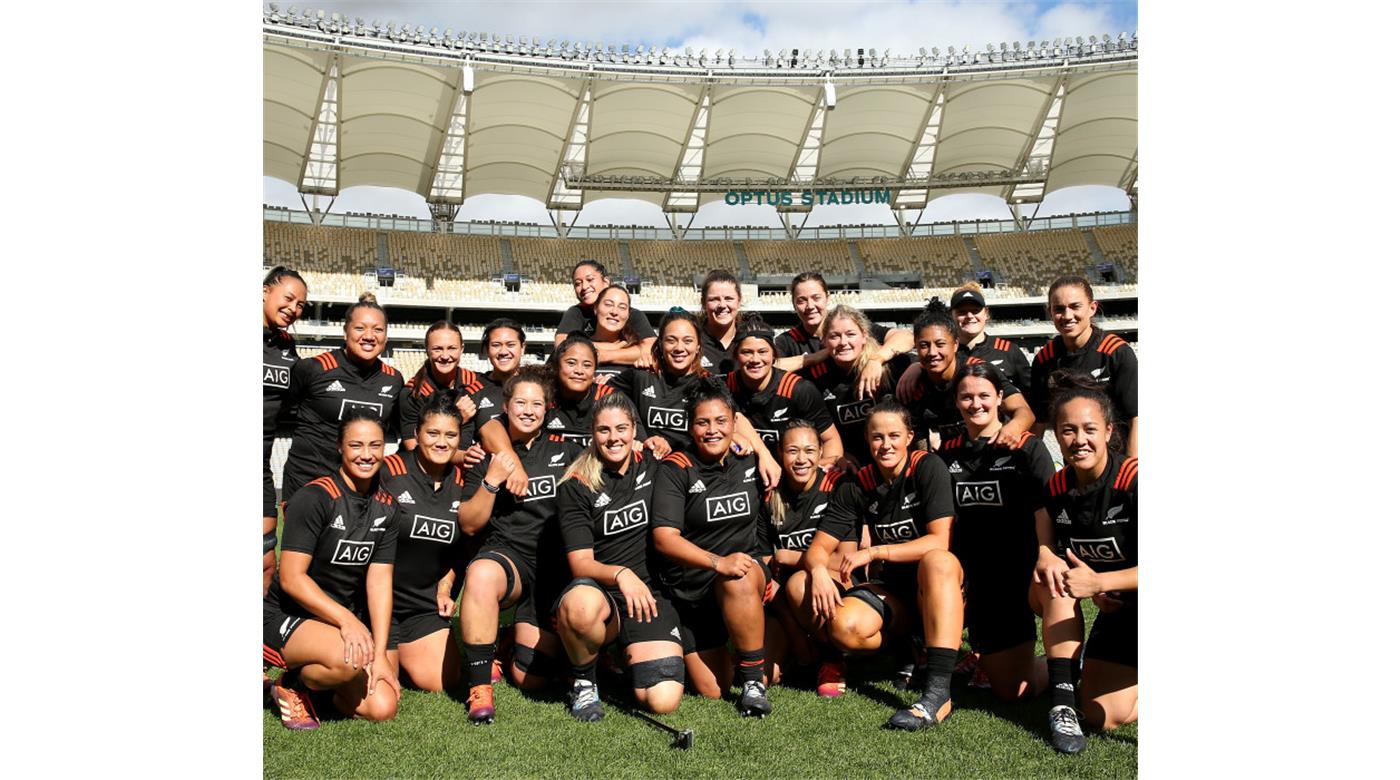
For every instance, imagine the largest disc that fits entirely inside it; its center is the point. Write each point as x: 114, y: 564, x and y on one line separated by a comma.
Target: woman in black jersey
x: 709, y: 526
x: 432, y: 551
x: 590, y: 280
x: 905, y: 500
x: 931, y: 402
x: 573, y: 366
x: 851, y: 348
x: 617, y: 344
x: 521, y: 563
x: 502, y: 345
x: 284, y: 298
x: 326, y: 388
x: 1085, y: 349
x: 997, y: 503
x: 801, y: 345
x: 336, y: 575
x: 443, y: 372
x: 796, y: 509
x: 972, y: 313
x: 605, y: 513
x: 1090, y: 519
x: 771, y: 397
x: 720, y: 299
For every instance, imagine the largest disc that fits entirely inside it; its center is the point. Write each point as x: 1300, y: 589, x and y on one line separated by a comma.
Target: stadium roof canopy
x: 453, y: 116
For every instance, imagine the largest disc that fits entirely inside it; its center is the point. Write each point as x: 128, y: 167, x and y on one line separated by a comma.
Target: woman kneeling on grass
x: 905, y: 499
x: 1091, y: 519
x: 605, y: 513
x: 336, y: 573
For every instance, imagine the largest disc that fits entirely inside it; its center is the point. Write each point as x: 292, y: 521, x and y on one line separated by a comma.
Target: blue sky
x: 750, y: 27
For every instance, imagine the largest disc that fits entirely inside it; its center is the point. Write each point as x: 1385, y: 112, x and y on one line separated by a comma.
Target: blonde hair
x: 588, y: 466
x: 843, y: 311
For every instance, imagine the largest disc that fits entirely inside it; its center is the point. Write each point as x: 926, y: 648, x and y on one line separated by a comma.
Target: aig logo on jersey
x: 351, y: 553
x: 978, y: 493
x: 768, y: 435
x: 540, y: 487
x: 347, y: 405
x: 728, y: 507
x: 797, y: 540
x: 898, y: 531
x: 854, y: 412
x: 1103, y: 550
x: 276, y: 376
x: 431, y: 529
x: 663, y: 417
x: 634, y: 515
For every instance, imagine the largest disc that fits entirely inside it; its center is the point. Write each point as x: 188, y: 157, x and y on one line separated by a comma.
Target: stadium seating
x: 324, y: 249
x: 1119, y: 245
x: 1030, y: 260
x: 674, y: 263
x: 553, y: 259
x: 408, y: 361
x: 789, y: 258
x: 433, y: 256
x: 943, y: 260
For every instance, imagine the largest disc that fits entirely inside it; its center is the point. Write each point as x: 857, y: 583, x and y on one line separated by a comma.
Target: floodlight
x: 1078, y: 40
x: 335, y: 17
x: 320, y: 14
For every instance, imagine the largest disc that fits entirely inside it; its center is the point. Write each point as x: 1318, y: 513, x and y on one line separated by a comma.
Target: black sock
x: 939, y: 673
x: 751, y: 665
x: 479, y: 664
x: 586, y: 672
x: 1061, y: 681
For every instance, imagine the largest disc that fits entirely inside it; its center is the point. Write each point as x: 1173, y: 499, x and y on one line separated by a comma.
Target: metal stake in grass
x: 680, y: 738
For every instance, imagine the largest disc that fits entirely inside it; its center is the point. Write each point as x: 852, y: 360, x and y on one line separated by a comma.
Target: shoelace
x: 478, y: 696
x: 584, y: 696
x: 295, y: 705
x: 1064, y: 721
x: 756, y: 688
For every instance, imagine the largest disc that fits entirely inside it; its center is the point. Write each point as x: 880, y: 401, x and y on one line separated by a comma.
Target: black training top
x: 279, y: 357
x: 570, y: 419
x: 615, y: 520
x: 838, y: 387
x: 420, y: 388
x: 797, y: 341
x: 995, y: 494
x: 1099, y: 520
x: 1106, y: 357
x: 529, y: 525
x: 490, y: 402
x: 805, y: 511
x: 324, y: 388
x: 343, y: 532
x: 430, y: 542
x: 577, y: 319
x: 714, y: 356
x: 934, y: 406
x: 716, y: 507
x: 787, y: 397
x: 897, y: 511
x: 1006, y: 356
x: 660, y: 397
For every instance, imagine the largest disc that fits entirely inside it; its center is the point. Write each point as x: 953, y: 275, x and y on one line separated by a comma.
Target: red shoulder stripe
x: 732, y: 384
x: 1126, y: 473
x: 1110, y: 344
x: 914, y: 458
x: 829, y: 480
x: 1058, y: 484
x: 388, y: 369
x: 796, y: 335
x: 788, y: 384
x: 679, y: 459
x: 327, y: 484
x: 425, y: 389
x: 973, y: 360
x: 384, y: 497
x: 818, y: 370
x: 953, y: 443
x: 1025, y: 437
x: 555, y: 437
x: 1001, y: 345
x: 867, y: 477
x: 1046, y: 352
x: 602, y: 390
x: 395, y: 465
x: 324, y: 360
x: 467, y: 376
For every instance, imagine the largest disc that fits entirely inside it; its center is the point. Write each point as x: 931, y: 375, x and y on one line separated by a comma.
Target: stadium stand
x: 830, y: 258
x: 553, y: 259
x: 433, y: 256
x: 674, y: 263
x: 1030, y: 260
x: 312, y: 248
x: 943, y: 260
x: 1119, y: 245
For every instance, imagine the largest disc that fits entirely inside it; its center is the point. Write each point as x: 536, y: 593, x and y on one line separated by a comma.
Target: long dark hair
x: 1066, y: 386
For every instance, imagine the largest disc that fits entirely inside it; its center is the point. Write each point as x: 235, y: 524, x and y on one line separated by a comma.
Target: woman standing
x: 851, y: 349
x: 972, y: 313
x: 617, y: 344
x: 284, y: 298
x: 720, y: 299
x: 801, y: 345
x: 590, y: 280
x: 770, y: 397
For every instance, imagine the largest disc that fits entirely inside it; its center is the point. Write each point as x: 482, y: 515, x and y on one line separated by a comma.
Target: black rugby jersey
x: 796, y: 341
x: 805, y: 512
x: 897, y: 511
x: 995, y: 495
x: 838, y: 388
x: 614, y: 521
x: 714, y: 356
x: 1005, y: 356
x: 530, y: 525
x: 1099, y: 520
x: 343, y: 532
x: 787, y: 397
x: 583, y: 321
x: 490, y: 402
x: 933, y: 406
x: 429, y: 539
x: 324, y: 388
x: 418, y: 389
x: 660, y: 397
x: 717, y: 507
x: 279, y: 357
x: 1106, y: 357
x: 570, y: 419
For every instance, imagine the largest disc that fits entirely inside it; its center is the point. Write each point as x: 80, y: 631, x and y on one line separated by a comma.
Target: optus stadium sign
x: 807, y: 197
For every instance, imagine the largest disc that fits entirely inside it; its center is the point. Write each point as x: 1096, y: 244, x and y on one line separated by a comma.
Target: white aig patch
x: 349, y: 553
x: 540, y: 487
x: 347, y: 405
x: 854, y: 412
x: 728, y: 507
x: 634, y: 515
x: 433, y: 529
x: 895, y: 532
x: 797, y: 540
x: 665, y: 417
x: 1103, y: 550
x: 276, y: 376
x: 978, y: 493
x: 767, y: 435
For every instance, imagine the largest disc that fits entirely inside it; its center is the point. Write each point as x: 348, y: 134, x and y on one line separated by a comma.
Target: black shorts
x: 702, y: 620
x: 501, y: 553
x: 665, y: 627
x: 539, y: 605
x: 1114, y: 635
x: 900, y: 579
x: 413, y: 627
x: 278, y: 627
x: 998, y: 614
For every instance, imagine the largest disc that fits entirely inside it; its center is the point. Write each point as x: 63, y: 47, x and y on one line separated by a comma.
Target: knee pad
x: 532, y: 663
x: 269, y: 541
x: 649, y: 673
x: 874, y: 601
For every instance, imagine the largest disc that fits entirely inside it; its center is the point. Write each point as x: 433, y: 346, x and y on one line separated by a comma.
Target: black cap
x: 967, y: 296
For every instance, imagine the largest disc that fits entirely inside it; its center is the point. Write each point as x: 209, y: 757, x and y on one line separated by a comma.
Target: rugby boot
x: 754, y: 700
x: 583, y: 702
x: 481, y: 704
x: 1065, y: 734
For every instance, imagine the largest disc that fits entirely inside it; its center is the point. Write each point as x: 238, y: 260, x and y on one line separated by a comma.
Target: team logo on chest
x: 335, y: 387
x: 665, y: 417
x: 386, y: 391
x: 338, y: 523
x: 352, y: 553
x: 485, y: 403
x: 978, y: 493
x: 726, y: 507
x: 894, y: 532
x: 1104, y: 550
x: 797, y: 540
x: 780, y: 414
x: 649, y: 392
x: 433, y: 529
x: 405, y: 498
x: 854, y: 412
x: 634, y: 515
x: 540, y: 487
x: 556, y: 460
x: 1112, y: 517
x: 347, y: 405
x: 1002, y: 464
x: 276, y: 376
